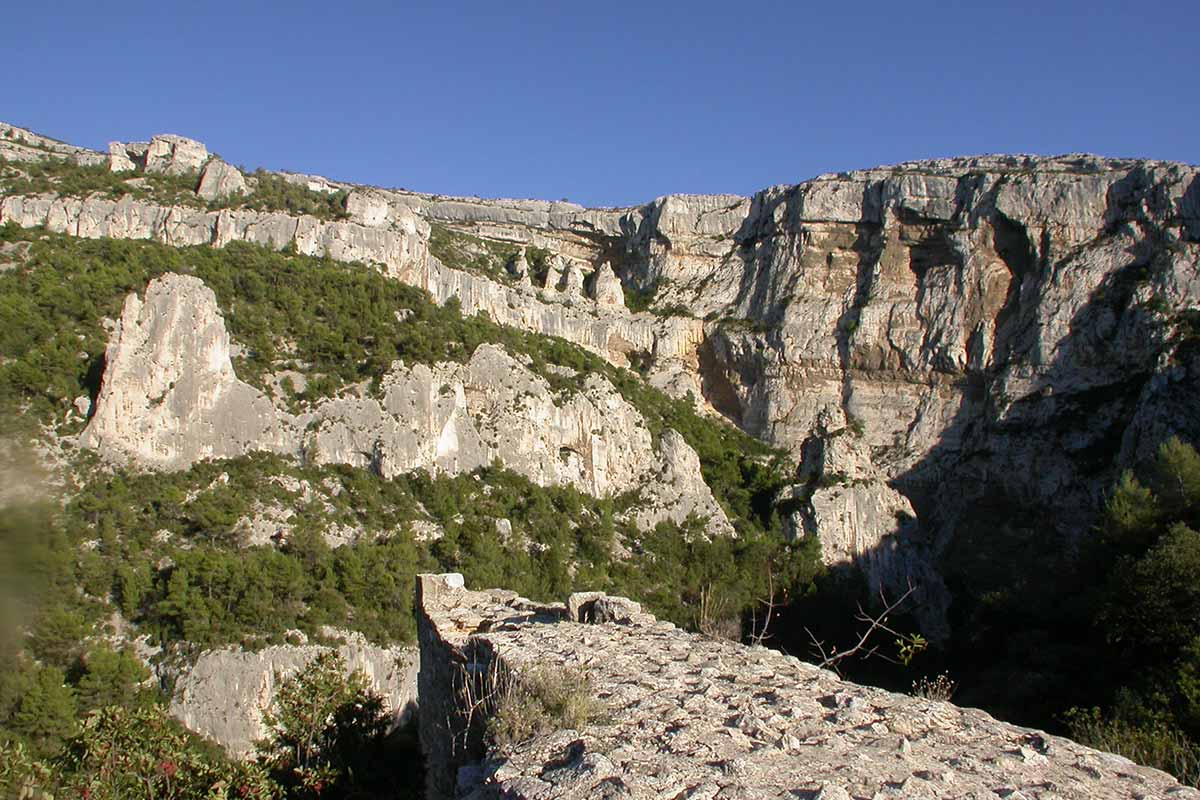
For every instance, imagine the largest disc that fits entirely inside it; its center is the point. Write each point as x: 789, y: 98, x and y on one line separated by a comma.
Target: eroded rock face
x: 223, y: 696
x: 607, y: 288
x: 173, y: 155
x: 399, y: 249
x: 993, y: 332
x: 169, y: 398
x: 220, y: 180
x: 993, y: 329
x: 688, y: 716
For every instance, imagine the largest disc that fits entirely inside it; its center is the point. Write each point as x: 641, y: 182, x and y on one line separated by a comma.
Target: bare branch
x: 875, y: 624
x: 758, y: 636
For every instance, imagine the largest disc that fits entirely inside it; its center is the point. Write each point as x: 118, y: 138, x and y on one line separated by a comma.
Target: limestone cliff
x: 686, y: 716
x: 169, y: 397
x: 224, y: 694
x: 932, y: 341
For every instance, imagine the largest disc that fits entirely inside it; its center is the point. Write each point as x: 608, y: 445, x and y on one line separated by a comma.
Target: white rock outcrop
x: 118, y: 159
x: 169, y: 397
x: 398, y: 250
x: 220, y: 180
x: 607, y: 287
x: 224, y: 694
x: 174, y: 155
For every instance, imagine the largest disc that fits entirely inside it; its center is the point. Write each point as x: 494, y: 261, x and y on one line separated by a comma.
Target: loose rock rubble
x: 685, y: 716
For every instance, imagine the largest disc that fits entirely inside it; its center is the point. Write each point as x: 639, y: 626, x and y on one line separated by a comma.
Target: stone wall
x: 684, y: 716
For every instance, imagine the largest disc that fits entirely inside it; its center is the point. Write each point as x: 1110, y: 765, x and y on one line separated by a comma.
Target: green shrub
x: 539, y: 701
x: 274, y: 192
x: 143, y: 753
x: 327, y: 733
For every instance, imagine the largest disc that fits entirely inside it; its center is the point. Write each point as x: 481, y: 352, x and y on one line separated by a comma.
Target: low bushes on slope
x: 163, y: 549
x: 172, y: 555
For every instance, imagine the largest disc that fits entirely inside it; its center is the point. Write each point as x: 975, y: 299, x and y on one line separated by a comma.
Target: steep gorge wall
x: 686, y: 716
x: 932, y: 341
x: 937, y: 342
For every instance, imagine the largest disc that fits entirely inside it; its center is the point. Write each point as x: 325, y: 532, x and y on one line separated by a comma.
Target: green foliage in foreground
x: 327, y: 739
x: 1103, y: 645
x: 1149, y: 615
x: 1154, y: 742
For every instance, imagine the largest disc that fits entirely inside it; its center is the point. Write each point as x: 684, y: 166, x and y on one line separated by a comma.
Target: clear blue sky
x: 608, y: 103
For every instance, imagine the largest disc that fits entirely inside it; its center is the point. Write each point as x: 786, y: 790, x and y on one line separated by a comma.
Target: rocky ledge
x: 684, y: 716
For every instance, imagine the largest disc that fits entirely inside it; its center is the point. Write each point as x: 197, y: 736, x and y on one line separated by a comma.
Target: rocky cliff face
x: 932, y: 341
x: 169, y: 397
x: 224, y: 694
x: 685, y: 716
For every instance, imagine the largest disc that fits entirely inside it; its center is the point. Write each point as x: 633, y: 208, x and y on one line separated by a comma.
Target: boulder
x: 519, y: 266
x: 572, y: 281
x: 220, y: 180
x: 118, y: 159
x: 554, y: 272
x: 175, y: 155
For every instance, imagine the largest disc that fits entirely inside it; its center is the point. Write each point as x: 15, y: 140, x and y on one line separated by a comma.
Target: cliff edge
x: 684, y: 716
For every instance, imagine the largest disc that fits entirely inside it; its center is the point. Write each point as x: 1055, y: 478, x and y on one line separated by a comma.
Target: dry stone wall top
x: 685, y: 716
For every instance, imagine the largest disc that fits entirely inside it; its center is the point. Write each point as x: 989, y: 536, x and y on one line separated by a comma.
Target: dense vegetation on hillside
x: 169, y: 553
x: 166, y: 552
x: 337, y: 321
